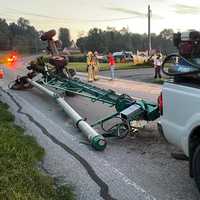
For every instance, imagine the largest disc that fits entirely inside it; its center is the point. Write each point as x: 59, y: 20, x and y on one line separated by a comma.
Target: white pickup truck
x: 179, y: 105
x: 179, y: 102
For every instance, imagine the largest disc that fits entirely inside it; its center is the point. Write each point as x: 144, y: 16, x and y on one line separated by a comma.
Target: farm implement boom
x: 50, y: 75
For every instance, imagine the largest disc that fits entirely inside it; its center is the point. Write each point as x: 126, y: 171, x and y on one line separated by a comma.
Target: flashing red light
x: 11, y: 59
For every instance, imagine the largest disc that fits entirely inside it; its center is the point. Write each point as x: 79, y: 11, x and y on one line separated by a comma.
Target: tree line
x: 24, y: 37
x: 105, y: 41
x: 19, y: 36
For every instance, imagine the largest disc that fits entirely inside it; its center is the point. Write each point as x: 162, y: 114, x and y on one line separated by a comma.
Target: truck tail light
x: 160, y: 103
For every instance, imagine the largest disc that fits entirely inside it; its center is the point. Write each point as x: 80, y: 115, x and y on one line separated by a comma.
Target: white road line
x: 130, y: 182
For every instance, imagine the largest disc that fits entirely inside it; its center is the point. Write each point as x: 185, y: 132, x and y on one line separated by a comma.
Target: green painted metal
x: 84, y: 89
x: 57, y: 76
x: 149, y: 111
x: 104, y: 119
x: 98, y: 142
x: 66, y: 88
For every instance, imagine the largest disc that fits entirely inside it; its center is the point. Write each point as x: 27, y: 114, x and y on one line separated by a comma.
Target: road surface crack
x: 104, y: 189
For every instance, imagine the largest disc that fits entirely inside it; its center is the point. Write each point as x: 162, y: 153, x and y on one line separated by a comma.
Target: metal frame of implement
x: 97, y: 141
x: 127, y: 109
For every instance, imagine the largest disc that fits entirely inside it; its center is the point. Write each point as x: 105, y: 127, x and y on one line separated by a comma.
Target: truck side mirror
x: 176, y: 65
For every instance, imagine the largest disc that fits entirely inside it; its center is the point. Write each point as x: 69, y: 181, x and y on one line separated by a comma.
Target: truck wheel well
x: 194, y: 141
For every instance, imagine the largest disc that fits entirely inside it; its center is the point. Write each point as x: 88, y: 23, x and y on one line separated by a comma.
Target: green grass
x: 20, y: 177
x: 159, y: 81
x: 81, y: 67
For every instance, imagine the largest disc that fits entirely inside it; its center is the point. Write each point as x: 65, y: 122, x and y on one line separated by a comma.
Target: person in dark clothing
x: 157, y: 66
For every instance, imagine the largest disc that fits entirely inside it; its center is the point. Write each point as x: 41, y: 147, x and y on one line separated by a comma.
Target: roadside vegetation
x: 159, y: 81
x: 82, y: 67
x: 22, y: 36
x: 20, y: 176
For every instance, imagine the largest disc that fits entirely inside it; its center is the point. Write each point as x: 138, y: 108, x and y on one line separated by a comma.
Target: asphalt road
x: 139, y: 168
x: 143, y: 75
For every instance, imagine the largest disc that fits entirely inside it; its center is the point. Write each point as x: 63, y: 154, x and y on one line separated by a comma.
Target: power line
x: 35, y: 14
x: 67, y: 19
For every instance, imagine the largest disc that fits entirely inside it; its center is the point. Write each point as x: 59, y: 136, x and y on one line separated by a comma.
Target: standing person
x: 111, y: 62
x: 157, y: 66
x: 96, y: 66
x: 90, y: 66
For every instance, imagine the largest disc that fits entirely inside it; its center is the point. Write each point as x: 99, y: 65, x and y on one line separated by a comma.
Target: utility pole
x: 149, y: 30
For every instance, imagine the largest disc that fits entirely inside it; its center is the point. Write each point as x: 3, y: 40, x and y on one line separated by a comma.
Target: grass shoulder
x: 82, y: 67
x: 20, y: 176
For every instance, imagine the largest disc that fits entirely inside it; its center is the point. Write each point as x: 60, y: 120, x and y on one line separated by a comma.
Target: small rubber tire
x: 122, y: 131
x: 196, y: 166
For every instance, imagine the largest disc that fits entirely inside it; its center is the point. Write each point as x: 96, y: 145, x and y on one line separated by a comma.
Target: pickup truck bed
x: 180, y: 120
x: 181, y: 112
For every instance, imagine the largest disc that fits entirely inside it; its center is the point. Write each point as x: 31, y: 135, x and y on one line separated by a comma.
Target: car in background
x: 123, y: 56
x: 102, y: 58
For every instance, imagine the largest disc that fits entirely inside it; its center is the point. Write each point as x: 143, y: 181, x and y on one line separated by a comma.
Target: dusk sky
x: 81, y: 15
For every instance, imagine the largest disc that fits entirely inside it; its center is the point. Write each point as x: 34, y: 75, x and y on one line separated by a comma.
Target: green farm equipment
x: 50, y: 74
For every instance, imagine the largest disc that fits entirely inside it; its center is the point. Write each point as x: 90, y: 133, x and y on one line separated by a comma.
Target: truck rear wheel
x: 196, y: 166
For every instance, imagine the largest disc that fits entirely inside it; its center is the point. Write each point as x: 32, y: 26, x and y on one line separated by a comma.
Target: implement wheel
x: 122, y: 131
x: 119, y: 130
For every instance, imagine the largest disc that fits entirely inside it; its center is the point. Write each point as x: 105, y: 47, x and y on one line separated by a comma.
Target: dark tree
x: 4, y: 35
x: 112, y: 40
x: 64, y: 36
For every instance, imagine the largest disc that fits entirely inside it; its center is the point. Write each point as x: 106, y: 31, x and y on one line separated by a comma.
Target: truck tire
x: 196, y: 166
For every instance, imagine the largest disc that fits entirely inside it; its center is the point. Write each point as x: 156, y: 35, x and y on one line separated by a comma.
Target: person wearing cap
x: 90, y: 66
x: 96, y: 66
